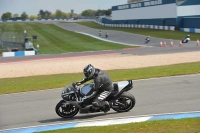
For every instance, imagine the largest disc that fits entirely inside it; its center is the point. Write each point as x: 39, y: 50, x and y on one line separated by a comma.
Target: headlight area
x: 69, y: 97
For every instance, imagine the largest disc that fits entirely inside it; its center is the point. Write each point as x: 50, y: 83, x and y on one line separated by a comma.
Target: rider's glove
x: 78, y: 83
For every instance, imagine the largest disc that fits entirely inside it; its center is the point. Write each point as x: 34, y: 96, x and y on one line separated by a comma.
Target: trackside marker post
x: 181, y: 44
x: 165, y: 44
x: 161, y: 44
x: 198, y: 44
x: 172, y: 44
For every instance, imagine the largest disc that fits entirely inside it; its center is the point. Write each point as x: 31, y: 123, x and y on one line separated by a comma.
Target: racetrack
x: 118, y: 36
x: 153, y: 96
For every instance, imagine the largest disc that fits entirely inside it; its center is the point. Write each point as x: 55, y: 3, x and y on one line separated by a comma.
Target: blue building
x: 157, y: 12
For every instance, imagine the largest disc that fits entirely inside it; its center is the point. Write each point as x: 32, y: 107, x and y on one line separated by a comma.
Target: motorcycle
x: 146, y: 41
x: 79, y: 99
x: 186, y: 39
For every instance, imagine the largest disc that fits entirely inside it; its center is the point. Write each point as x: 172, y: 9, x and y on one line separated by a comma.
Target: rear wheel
x: 124, y: 103
x: 66, y: 110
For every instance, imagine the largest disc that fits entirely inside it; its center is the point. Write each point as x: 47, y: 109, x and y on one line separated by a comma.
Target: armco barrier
x: 190, y: 30
x: 138, y: 26
x: 19, y: 53
x: 37, y: 20
x: 33, y: 20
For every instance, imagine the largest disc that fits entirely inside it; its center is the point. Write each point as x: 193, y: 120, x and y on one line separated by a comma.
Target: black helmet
x: 89, y: 71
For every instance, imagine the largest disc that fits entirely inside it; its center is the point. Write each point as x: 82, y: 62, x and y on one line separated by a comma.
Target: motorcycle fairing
x: 86, y: 90
x: 124, y: 84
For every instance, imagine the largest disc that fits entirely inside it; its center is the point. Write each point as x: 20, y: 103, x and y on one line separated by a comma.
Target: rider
x: 102, y: 84
x: 147, y: 39
x: 186, y: 39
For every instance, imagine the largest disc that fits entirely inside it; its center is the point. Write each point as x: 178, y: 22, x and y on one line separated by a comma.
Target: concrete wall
x: 188, y: 14
x: 193, y: 30
x: 152, y: 12
x: 190, y: 10
x: 138, y: 26
x: 158, y: 12
x: 189, y: 22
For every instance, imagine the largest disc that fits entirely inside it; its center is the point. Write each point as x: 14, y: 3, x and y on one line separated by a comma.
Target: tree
x: 68, y: 14
x: 6, y: 16
x: 58, y: 14
x: 15, y: 15
x: 52, y: 15
x: 24, y: 15
x: 33, y: 17
x: 47, y: 14
x: 88, y: 12
x: 108, y: 12
x: 44, y: 14
x: 99, y: 13
x: 41, y: 14
x: 103, y: 12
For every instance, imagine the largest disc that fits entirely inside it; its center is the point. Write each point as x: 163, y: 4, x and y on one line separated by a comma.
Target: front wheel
x: 124, y: 103
x: 65, y: 110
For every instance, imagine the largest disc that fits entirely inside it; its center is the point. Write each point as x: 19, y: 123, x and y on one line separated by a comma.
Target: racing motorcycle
x: 79, y: 99
x: 186, y: 39
x: 147, y: 40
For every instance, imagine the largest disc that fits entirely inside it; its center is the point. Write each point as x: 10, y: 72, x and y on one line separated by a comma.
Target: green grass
x: 177, y: 35
x: 189, y: 125
x: 23, y: 84
x: 53, y: 39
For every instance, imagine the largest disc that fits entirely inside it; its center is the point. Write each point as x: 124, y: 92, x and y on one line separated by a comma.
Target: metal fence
x: 10, y: 40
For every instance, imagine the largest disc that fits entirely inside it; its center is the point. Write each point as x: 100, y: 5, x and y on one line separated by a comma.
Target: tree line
x: 90, y: 12
x: 8, y: 16
x: 58, y: 14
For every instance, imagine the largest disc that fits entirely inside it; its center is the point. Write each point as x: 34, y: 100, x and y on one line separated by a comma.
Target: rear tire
x: 128, y: 106
x: 67, y: 111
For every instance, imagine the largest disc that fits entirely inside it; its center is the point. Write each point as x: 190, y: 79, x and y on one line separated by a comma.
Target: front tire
x: 128, y: 101
x: 66, y: 110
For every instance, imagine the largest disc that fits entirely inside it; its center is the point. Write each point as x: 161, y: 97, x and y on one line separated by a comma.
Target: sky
x: 32, y: 7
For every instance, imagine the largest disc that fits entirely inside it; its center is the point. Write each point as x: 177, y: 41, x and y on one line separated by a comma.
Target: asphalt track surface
x: 153, y: 96
x: 117, y: 36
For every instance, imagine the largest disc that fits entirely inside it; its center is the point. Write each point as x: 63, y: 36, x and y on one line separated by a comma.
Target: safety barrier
x: 190, y: 30
x: 19, y: 53
x: 36, y: 20
x: 172, y: 28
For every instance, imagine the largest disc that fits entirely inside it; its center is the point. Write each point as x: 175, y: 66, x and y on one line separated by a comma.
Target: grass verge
x: 189, y: 125
x: 23, y: 84
x: 177, y: 35
x: 53, y: 39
